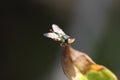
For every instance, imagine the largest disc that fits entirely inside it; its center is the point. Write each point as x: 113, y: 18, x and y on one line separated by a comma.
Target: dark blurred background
x: 27, y: 55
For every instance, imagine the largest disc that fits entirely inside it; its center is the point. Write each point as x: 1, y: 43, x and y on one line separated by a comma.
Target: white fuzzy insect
x: 57, y: 34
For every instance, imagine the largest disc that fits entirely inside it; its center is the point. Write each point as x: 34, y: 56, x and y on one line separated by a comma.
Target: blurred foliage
x: 108, y: 50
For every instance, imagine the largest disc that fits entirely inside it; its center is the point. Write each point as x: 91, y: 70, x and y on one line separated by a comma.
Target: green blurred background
x: 27, y: 55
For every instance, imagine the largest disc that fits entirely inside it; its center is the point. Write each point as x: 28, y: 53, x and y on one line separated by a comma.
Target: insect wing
x: 57, y: 29
x: 52, y: 36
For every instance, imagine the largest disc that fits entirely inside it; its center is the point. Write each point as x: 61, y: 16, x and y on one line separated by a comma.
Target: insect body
x: 58, y: 34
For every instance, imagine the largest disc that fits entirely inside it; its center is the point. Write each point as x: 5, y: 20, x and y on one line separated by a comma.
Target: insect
x: 57, y: 34
x: 76, y: 64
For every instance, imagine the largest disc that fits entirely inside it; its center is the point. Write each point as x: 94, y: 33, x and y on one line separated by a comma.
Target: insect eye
x: 70, y: 40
